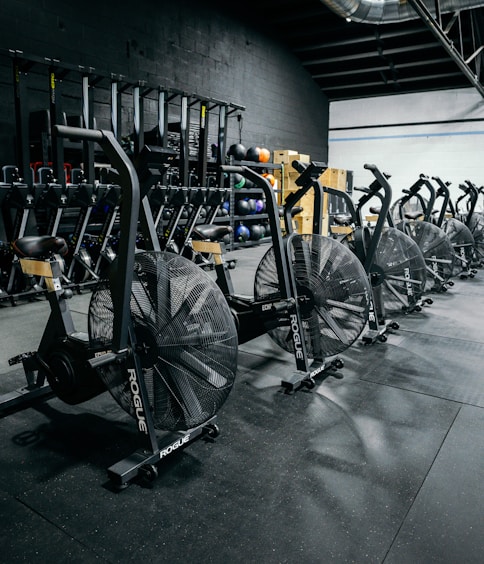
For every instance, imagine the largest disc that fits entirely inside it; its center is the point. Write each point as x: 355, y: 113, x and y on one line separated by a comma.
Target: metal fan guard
x: 400, y: 259
x: 436, y: 249
x: 187, y: 338
x: 334, y: 284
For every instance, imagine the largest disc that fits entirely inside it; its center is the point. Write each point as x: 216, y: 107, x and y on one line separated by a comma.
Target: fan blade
x: 326, y: 317
x: 403, y: 279
x: 201, y: 368
x: 395, y: 292
x: 344, y: 305
x: 436, y: 260
x: 181, y: 391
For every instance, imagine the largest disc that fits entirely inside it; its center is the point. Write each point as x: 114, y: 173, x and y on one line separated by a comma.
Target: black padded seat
x: 39, y: 246
x: 342, y: 219
x: 211, y: 232
x: 413, y: 214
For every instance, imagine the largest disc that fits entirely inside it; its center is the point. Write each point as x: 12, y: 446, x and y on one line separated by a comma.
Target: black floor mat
x: 438, y: 366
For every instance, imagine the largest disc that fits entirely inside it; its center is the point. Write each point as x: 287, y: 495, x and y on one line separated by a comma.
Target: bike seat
x: 375, y: 210
x: 413, y: 214
x: 208, y: 231
x: 42, y: 246
x: 342, y: 219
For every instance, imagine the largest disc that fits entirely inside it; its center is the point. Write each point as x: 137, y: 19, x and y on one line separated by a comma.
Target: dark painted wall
x: 195, y: 46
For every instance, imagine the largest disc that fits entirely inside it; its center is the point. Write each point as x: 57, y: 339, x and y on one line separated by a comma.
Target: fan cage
x: 463, y: 243
x: 403, y: 269
x: 436, y: 249
x: 332, y: 284
x: 186, y: 338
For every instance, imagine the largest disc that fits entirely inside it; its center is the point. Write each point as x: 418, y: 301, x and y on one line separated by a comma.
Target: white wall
x: 409, y: 134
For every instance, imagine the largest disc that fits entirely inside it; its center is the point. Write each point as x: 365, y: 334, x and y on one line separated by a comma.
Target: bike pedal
x: 20, y: 358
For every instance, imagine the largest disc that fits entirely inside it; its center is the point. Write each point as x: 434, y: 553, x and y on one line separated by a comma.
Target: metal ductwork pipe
x: 392, y: 11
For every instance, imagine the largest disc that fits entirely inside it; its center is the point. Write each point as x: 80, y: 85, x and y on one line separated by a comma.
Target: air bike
x: 161, y: 337
x: 472, y: 219
x: 392, y: 260
x: 310, y: 293
x: 414, y: 215
x: 446, y: 218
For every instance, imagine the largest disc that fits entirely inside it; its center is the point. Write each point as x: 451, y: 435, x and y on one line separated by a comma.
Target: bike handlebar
x: 79, y: 133
x: 128, y: 180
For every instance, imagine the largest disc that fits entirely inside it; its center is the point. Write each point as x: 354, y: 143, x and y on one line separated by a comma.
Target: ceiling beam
x: 359, y: 39
x: 396, y: 66
x: 390, y: 81
x: 448, y: 45
x: 366, y: 55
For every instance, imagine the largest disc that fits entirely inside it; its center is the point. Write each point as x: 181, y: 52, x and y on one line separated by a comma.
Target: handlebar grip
x: 299, y: 166
x: 232, y: 169
x: 369, y: 166
x: 78, y: 133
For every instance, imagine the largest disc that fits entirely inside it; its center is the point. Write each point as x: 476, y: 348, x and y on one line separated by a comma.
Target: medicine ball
x: 242, y: 207
x: 239, y: 181
x: 270, y: 177
x: 253, y: 154
x: 242, y: 233
x: 238, y: 151
x: 259, y: 206
x: 256, y: 232
x: 258, y: 154
x: 264, y: 155
x: 252, y: 205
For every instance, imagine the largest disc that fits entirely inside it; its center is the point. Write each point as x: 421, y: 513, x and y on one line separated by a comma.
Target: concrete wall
x: 195, y: 46
x: 435, y: 133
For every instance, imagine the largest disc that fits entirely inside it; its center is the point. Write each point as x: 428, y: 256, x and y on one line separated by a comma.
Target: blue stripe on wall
x: 404, y: 136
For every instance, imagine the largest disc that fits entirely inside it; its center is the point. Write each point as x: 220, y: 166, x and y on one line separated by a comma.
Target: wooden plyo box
x: 286, y: 156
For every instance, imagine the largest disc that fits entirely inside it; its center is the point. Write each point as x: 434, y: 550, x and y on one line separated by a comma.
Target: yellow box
x: 305, y: 225
x: 371, y: 218
x: 306, y: 202
x: 334, y: 178
x: 340, y: 229
x: 286, y: 156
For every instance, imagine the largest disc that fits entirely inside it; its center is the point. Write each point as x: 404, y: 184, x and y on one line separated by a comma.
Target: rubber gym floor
x: 384, y: 465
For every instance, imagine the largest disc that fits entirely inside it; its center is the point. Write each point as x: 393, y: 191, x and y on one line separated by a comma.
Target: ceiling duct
x: 429, y: 11
x: 392, y: 11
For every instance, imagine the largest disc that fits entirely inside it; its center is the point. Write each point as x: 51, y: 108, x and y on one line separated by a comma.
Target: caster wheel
x: 450, y: 283
x: 383, y: 338
x: 231, y: 265
x: 444, y: 289
x: 338, y: 363
x: 148, y: 473
x: 213, y: 430
x: 394, y: 325
x: 471, y: 275
x: 309, y: 383
x: 119, y: 487
x: 418, y: 308
x: 429, y: 301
